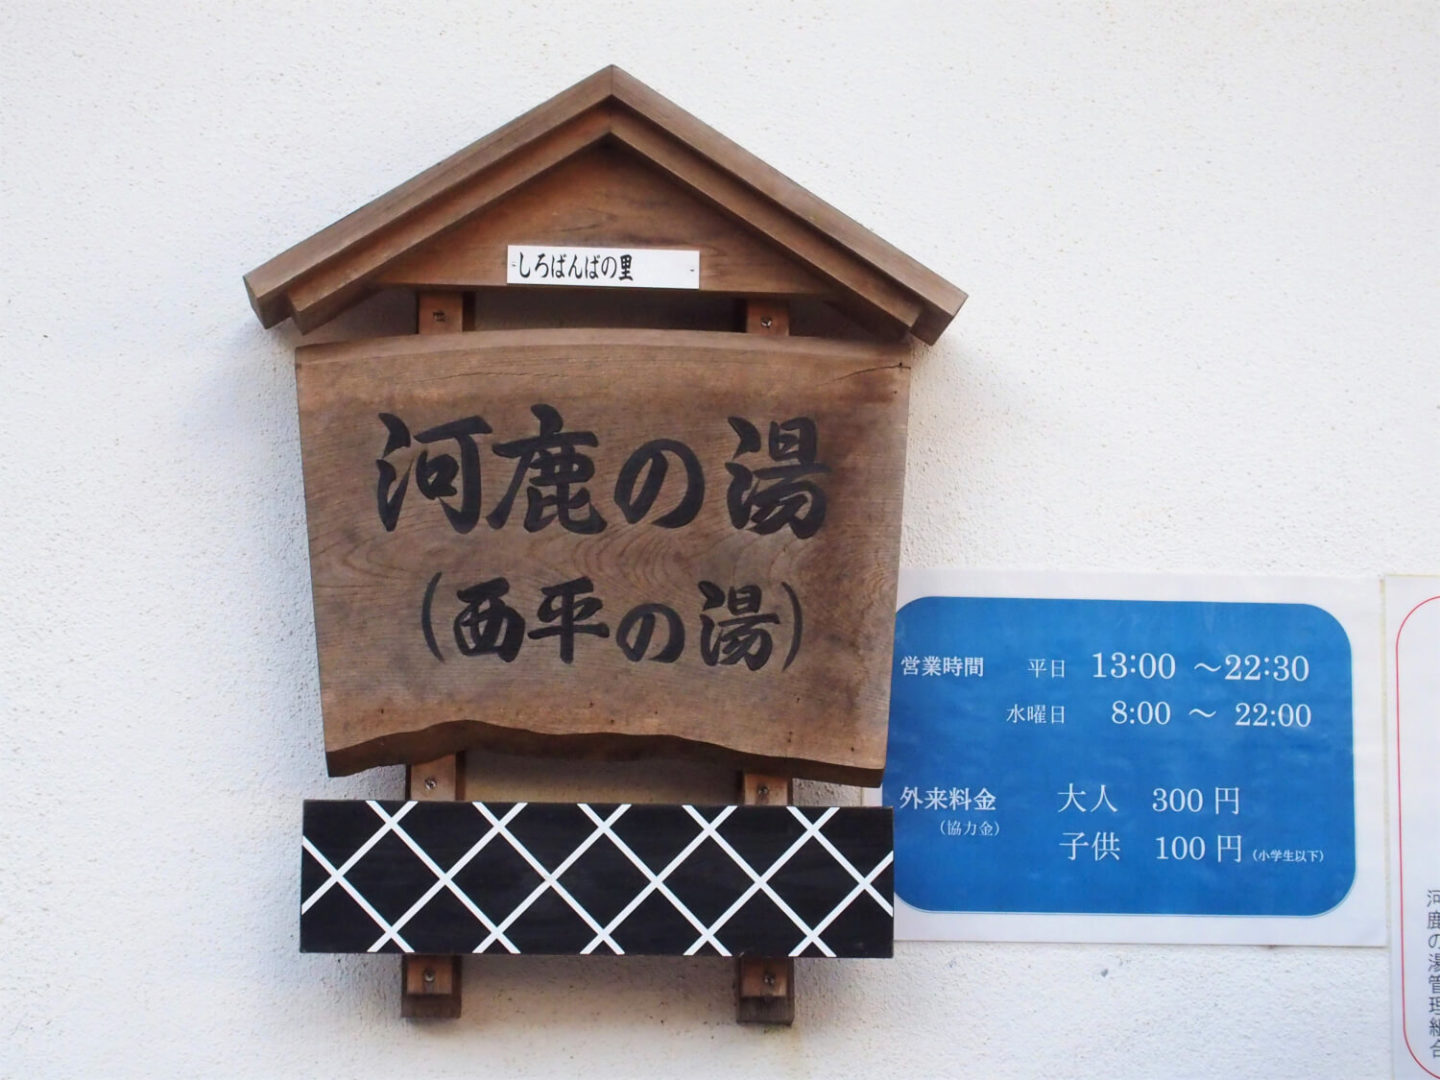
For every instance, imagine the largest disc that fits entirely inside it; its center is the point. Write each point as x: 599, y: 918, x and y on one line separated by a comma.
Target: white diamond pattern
x: 849, y: 883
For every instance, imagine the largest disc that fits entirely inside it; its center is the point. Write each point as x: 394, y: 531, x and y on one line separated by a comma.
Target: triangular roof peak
x: 320, y: 277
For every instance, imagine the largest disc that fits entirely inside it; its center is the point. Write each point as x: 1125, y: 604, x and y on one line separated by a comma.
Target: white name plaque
x: 616, y: 268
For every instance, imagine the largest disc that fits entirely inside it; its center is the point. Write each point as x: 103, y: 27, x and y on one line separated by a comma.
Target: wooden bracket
x: 765, y: 985
x: 767, y: 317
x: 430, y: 985
x: 442, y: 312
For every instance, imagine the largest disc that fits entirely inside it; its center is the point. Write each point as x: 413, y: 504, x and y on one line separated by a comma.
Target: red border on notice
x: 1400, y: 842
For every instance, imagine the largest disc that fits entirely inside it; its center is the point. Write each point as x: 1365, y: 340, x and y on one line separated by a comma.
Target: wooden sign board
x: 605, y: 542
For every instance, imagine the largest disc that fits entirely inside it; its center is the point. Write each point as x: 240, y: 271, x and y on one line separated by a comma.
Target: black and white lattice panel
x: 577, y: 878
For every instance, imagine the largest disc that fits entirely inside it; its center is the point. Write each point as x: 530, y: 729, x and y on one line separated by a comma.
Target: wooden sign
x: 444, y: 878
x: 605, y: 542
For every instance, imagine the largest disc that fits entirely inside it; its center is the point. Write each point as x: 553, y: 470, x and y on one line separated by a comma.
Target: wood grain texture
x: 268, y: 283
x: 441, y: 779
x: 430, y: 985
x: 765, y: 789
x: 319, y: 277
x: 428, y: 977
x: 939, y: 295
x: 856, y: 280
x: 390, y: 694
x: 439, y: 312
x: 767, y: 316
x: 604, y: 197
x: 765, y: 985
x: 332, y: 287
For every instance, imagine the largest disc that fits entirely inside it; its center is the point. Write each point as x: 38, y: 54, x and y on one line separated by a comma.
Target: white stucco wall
x: 1203, y: 248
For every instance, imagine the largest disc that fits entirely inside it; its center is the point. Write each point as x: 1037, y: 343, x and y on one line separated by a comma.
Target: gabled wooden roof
x: 340, y: 265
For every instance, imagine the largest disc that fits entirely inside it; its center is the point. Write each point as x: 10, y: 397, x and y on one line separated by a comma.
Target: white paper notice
x: 612, y: 268
x: 1412, y: 616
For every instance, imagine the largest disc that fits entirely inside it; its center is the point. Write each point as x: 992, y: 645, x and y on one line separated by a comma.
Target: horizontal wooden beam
x: 443, y: 878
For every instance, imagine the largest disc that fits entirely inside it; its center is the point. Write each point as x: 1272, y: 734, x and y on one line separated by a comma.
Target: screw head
x: 770, y: 979
x: 430, y: 783
x: 765, y: 321
x: 763, y: 791
x: 429, y: 976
